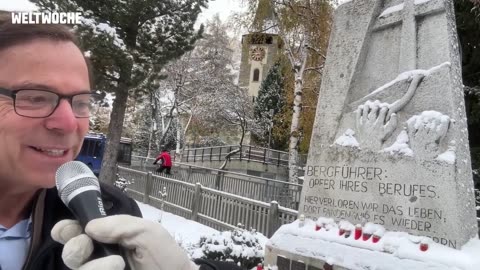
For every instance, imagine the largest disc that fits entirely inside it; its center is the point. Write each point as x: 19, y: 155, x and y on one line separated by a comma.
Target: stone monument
x: 390, y: 142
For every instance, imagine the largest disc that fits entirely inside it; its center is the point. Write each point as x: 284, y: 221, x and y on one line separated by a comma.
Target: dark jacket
x: 48, y: 209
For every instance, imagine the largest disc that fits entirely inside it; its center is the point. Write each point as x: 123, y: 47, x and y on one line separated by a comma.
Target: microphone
x: 79, y: 190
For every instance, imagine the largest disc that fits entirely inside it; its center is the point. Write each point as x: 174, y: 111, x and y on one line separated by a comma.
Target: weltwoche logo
x: 46, y: 17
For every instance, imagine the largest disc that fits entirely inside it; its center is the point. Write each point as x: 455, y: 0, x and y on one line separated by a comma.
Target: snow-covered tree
x: 183, y: 102
x: 198, y: 79
x: 304, y: 27
x: 269, y: 102
x: 140, y: 127
x: 240, y: 246
x: 130, y: 42
x: 100, y: 120
x: 298, y: 24
x: 153, y: 125
x: 234, y: 109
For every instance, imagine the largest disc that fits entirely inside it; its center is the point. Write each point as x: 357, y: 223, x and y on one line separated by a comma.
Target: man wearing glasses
x: 37, y: 102
x: 45, y: 104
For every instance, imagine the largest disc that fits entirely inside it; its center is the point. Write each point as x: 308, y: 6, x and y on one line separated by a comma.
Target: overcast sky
x: 20, y: 5
x: 222, y: 7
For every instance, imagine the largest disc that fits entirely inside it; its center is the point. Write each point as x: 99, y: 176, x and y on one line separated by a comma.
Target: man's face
x: 32, y: 149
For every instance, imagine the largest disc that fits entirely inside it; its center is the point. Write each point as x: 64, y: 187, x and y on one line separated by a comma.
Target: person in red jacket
x: 165, y: 162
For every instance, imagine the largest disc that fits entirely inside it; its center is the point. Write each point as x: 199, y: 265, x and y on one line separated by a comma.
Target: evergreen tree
x: 129, y: 43
x: 468, y: 26
x: 269, y: 102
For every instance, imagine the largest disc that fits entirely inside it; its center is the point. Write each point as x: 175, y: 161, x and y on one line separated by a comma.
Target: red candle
x: 366, y: 236
x: 259, y: 266
x: 327, y: 266
x: 358, y: 231
x: 375, y: 238
x: 317, y: 227
x: 423, y: 246
x: 341, y: 232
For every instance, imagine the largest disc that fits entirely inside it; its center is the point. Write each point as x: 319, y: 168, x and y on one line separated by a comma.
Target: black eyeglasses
x: 37, y: 103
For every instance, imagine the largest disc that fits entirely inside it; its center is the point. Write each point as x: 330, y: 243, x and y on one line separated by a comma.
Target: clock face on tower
x: 257, y: 53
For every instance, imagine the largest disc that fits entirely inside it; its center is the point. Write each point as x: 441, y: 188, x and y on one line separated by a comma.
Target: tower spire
x: 264, y: 20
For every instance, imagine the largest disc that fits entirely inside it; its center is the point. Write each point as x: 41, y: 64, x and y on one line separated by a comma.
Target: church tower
x: 259, y: 49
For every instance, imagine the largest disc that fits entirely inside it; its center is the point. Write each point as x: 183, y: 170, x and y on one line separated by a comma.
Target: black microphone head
x: 74, y: 178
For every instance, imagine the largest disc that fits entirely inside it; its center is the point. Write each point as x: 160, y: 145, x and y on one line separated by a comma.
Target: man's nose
x: 62, y: 119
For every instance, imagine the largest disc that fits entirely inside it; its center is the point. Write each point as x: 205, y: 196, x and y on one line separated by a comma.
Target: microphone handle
x: 87, y: 206
x: 103, y: 250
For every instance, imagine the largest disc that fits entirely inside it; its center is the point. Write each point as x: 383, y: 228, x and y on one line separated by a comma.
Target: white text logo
x: 46, y: 17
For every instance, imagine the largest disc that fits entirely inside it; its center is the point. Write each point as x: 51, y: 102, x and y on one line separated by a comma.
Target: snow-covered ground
x: 392, y: 251
x: 242, y: 246
x: 185, y: 231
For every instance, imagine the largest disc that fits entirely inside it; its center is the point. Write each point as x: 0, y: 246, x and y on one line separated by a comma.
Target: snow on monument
x: 388, y: 170
x: 390, y: 141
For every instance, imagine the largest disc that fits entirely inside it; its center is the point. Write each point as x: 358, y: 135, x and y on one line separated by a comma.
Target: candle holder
x: 358, y: 231
x: 423, y: 245
x: 375, y: 238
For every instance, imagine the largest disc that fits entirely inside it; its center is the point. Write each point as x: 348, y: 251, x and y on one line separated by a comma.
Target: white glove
x: 148, y: 245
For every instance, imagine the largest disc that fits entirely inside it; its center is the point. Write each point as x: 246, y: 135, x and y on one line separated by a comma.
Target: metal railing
x: 253, y: 187
x: 248, y: 153
x: 217, y: 209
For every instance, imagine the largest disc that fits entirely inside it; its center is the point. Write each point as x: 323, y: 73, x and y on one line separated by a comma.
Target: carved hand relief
x: 423, y: 136
x: 373, y: 125
x: 375, y: 121
x: 426, y: 132
x: 400, y: 146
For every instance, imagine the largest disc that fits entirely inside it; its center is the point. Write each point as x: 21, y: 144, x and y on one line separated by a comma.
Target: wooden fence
x: 213, y: 208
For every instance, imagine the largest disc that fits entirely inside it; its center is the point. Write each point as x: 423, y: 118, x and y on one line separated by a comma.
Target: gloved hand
x: 148, y: 245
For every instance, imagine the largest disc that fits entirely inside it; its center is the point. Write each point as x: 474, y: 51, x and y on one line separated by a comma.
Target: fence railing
x: 254, y: 187
x: 213, y: 208
x: 248, y: 152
